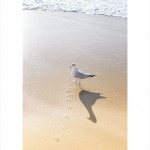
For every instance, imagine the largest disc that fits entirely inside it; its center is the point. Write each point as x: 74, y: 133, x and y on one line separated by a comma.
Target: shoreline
x: 49, y: 11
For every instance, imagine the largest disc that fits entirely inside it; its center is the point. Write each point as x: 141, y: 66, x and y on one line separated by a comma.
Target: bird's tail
x: 92, y: 76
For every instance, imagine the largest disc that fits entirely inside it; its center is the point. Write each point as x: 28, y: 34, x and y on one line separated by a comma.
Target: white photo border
x: 138, y: 75
x: 11, y: 75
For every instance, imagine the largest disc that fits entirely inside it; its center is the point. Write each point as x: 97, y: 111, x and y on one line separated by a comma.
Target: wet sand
x: 58, y: 115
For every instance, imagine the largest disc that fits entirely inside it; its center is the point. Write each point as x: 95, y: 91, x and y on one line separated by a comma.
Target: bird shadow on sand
x: 88, y: 99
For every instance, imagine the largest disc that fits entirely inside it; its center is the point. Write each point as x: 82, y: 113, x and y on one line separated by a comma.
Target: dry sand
x: 57, y: 114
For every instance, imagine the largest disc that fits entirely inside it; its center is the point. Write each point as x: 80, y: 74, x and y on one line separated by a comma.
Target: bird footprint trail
x: 69, y: 108
x: 69, y: 97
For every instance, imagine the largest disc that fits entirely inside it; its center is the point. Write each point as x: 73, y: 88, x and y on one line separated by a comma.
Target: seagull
x: 77, y: 74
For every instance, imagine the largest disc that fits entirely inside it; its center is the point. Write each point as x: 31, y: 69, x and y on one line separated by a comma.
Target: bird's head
x: 73, y: 64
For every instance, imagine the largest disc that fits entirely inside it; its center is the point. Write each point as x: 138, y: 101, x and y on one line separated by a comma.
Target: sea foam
x: 93, y: 7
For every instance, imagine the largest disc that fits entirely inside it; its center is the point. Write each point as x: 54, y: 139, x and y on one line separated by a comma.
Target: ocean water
x: 93, y: 7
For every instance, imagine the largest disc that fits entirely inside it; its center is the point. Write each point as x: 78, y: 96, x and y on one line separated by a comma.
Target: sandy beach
x: 58, y: 115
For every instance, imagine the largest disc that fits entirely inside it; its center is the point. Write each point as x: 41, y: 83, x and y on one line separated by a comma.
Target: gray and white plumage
x: 79, y: 74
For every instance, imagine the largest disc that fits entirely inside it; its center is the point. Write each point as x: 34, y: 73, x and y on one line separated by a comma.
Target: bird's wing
x: 82, y: 75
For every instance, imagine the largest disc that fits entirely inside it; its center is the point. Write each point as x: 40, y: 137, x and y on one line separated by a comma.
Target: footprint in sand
x: 67, y: 117
x: 65, y: 128
x: 57, y: 139
x: 69, y: 101
x: 71, y: 95
x: 69, y: 108
x: 68, y: 91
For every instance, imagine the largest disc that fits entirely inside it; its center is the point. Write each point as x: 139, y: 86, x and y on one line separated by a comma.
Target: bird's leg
x: 76, y: 81
x: 79, y: 82
x: 80, y: 86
